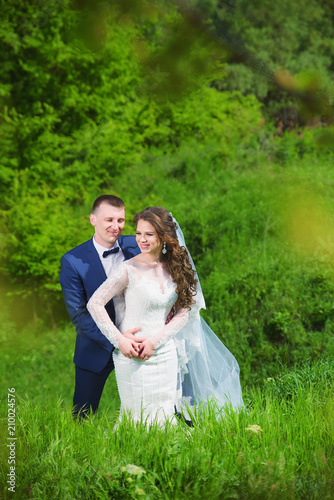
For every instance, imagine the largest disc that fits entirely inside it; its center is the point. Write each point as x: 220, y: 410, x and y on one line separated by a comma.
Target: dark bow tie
x: 108, y: 252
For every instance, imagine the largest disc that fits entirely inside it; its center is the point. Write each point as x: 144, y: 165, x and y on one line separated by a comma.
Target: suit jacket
x: 81, y: 274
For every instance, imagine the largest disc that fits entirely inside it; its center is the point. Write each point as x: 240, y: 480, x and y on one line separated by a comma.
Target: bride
x: 181, y: 364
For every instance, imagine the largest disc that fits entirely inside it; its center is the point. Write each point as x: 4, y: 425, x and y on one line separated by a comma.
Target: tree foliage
x: 77, y: 112
x: 265, y: 38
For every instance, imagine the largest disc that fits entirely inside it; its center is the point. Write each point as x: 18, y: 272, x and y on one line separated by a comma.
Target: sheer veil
x: 207, y: 369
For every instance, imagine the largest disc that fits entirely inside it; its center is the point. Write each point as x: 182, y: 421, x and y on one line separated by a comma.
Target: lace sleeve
x: 96, y: 305
x: 171, y: 329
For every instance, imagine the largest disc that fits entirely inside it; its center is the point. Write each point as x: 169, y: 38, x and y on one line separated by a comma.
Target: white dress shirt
x: 110, y: 264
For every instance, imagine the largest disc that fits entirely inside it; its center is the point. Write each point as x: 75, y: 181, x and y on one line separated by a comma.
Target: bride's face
x: 147, y: 239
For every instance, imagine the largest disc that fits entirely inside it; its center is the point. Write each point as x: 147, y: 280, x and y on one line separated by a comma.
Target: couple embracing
x: 135, y: 302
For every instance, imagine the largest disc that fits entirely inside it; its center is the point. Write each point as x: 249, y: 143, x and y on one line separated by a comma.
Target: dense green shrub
x: 264, y: 37
x: 75, y: 119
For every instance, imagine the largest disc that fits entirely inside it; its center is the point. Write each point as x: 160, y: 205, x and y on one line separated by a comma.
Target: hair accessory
x: 164, y: 249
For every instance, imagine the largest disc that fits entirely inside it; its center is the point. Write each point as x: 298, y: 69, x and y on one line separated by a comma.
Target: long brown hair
x: 176, y: 259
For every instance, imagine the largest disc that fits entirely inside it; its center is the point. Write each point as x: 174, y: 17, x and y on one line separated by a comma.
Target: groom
x: 83, y: 270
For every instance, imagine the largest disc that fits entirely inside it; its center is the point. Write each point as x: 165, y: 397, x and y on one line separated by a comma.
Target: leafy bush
x: 264, y: 38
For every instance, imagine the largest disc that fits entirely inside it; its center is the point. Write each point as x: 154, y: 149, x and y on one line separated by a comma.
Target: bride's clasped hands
x: 136, y: 347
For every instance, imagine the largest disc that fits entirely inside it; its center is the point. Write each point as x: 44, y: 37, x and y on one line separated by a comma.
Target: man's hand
x: 129, y: 334
x: 129, y: 345
x: 128, y: 348
x: 171, y: 315
x: 147, y: 349
x: 132, y: 347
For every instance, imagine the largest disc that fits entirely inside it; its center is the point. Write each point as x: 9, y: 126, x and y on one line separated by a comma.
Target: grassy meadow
x: 280, y: 446
x: 269, y: 291
x: 269, y: 302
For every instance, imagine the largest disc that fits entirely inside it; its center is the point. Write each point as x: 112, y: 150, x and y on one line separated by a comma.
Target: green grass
x: 38, y: 363
x: 291, y: 456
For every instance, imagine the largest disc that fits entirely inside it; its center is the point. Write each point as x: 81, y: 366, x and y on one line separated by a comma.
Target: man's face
x: 109, y: 224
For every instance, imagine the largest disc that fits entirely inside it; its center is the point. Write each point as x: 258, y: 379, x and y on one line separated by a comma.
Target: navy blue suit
x: 81, y: 274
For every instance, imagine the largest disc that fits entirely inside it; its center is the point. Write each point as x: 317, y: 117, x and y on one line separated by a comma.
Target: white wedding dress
x: 190, y: 364
x: 147, y: 389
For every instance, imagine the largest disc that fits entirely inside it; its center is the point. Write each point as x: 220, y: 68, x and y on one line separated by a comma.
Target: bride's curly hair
x: 176, y: 259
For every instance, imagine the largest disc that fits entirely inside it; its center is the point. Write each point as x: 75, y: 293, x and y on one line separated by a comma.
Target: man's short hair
x: 110, y: 199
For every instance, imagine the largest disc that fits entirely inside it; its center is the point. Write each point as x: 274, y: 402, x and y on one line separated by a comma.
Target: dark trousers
x: 88, y: 389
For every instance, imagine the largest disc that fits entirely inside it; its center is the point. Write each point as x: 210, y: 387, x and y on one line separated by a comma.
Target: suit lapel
x: 129, y: 251
x: 127, y: 254
x: 96, y: 262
